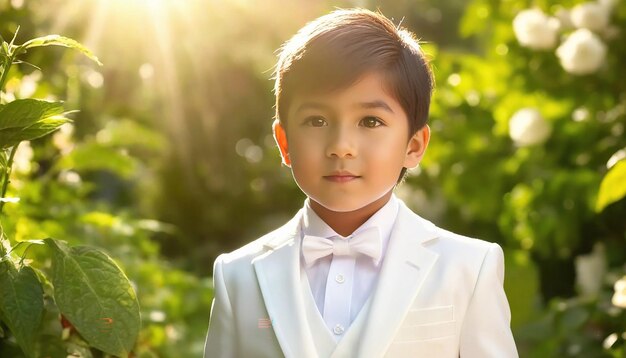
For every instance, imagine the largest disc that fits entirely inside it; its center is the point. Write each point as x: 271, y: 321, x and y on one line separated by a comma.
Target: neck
x: 344, y: 223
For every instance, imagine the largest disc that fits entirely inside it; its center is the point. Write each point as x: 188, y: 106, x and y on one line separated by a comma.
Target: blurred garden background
x: 170, y: 161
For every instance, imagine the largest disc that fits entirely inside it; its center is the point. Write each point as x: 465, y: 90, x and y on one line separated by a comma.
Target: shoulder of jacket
x: 266, y: 242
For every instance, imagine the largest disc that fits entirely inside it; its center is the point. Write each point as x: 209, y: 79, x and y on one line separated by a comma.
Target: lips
x: 341, y: 177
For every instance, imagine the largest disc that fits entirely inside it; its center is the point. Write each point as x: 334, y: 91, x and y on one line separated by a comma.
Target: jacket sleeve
x: 220, y: 340
x: 486, y: 329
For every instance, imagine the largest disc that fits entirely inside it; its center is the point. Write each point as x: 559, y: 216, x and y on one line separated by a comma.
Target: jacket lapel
x: 278, y: 272
x: 406, y: 265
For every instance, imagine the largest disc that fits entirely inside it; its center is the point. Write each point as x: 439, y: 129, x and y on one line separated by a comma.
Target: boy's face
x: 346, y: 148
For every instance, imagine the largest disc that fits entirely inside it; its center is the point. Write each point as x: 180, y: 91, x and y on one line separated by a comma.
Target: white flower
x: 582, y: 52
x: 535, y: 30
x: 589, y: 268
x: 28, y: 84
x: 23, y: 158
x: 94, y: 79
x: 70, y: 177
x: 619, y: 298
x: 527, y: 127
x: 590, y: 15
x: 62, y: 139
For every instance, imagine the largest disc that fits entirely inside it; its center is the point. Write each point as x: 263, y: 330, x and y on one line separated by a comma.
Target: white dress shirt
x: 342, y: 284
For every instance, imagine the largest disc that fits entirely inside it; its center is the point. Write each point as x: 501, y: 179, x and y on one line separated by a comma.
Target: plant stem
x: 6, y: 66
x: 5, y: 71
x: 7, y: 175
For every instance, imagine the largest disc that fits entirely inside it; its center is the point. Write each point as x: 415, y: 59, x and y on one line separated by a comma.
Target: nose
x: 341, y: 143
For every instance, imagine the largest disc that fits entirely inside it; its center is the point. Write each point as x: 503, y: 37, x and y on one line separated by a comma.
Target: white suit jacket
x: 438, y: 294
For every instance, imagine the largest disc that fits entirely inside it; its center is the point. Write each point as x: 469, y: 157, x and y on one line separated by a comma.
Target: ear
x: 280, y: 136
x: 417, y: 147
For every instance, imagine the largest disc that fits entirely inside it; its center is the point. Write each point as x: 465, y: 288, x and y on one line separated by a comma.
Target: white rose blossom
x: 582, y: 52
x: 527, y: 127
x: 590, y: 15
x: 536, y: 30
x: 619, y: 297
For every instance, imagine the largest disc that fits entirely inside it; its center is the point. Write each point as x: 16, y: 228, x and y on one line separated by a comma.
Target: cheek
x: 388, y: 151
x: 302, y: 151
x: 304, y: 159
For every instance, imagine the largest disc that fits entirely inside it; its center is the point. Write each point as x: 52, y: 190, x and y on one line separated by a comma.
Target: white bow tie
x: 366, y: 242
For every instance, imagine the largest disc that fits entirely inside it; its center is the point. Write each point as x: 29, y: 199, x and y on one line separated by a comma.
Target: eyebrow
x: 377, y: 104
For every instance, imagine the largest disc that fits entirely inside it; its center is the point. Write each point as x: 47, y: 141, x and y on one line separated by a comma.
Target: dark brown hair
x: 334, y: 50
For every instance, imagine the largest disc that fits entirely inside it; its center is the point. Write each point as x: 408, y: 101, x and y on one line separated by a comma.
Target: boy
x: 356, y: 273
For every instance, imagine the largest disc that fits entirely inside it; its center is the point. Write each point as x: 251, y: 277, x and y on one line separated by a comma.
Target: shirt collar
x: 384, y: 218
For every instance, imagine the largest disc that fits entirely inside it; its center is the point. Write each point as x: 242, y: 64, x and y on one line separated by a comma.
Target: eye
x: 371, y: 122
x: 315, y: 121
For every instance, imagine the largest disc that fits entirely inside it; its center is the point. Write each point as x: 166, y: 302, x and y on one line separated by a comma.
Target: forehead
x: 369, y: 91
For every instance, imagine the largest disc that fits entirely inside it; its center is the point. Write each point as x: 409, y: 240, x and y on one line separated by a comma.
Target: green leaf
x: 93, y: 293
x: 21, y: 303
x: 13, y: 136
x: 25, y: 112
x: 612, y: 188
x: 57, y: 40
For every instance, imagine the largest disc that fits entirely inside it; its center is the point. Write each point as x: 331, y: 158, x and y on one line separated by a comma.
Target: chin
x: 341, y: 206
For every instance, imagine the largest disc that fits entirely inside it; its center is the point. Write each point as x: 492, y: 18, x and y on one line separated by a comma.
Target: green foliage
x: 21, y: 304
x: 93, y: 156
x: 90, y: 291
x: 89, y: 285
x: 578, y: 327
x: 521, y: 278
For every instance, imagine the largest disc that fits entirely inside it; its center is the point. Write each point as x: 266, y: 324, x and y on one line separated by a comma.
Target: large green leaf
x: 612, y: 188
x: 22, y: 113
x: 58, y: 40
x: 21, y: 303
x: 13, y: 136
x: 93, y: 293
